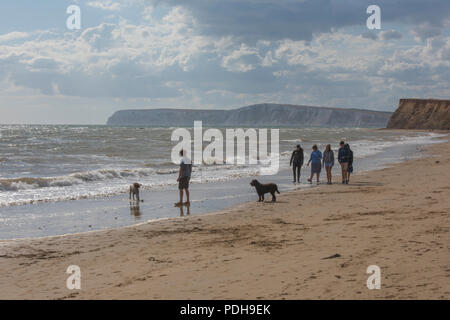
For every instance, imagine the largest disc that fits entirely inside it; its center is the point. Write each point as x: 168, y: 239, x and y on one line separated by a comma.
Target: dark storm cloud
x: 300, y: 20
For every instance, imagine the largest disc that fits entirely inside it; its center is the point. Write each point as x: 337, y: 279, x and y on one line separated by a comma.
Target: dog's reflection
x: 188, y: 210
x: 135, y: 210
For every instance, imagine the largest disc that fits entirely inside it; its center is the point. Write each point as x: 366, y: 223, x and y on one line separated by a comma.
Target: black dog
x: 262, y: 189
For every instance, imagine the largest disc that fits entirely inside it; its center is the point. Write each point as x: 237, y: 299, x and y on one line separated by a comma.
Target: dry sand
x: 397, y: 218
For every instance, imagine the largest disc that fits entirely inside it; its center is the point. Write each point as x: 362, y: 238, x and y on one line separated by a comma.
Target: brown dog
x: 134, y: 189
x: 262, y: 189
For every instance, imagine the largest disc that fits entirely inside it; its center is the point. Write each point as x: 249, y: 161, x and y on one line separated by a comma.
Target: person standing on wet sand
x: 297, y: 162
x: 184, y: 176
x: 344, y: 158
x: 316, y: 163
x: 328, y: 162
x: 350, y: 162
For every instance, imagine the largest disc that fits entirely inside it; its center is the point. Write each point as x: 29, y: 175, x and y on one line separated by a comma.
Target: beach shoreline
x: 53, y: 218
x: 252, y: 251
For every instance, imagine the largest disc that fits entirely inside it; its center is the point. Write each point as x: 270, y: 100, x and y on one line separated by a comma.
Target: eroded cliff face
x: 257, y: 115
x: 421, y: 114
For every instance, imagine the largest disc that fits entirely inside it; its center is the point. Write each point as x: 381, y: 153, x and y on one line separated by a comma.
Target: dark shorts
x: 184, y: 183
x: 316, y: 167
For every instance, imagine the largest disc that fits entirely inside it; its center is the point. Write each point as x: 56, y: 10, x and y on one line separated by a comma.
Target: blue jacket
x: 316, y: 157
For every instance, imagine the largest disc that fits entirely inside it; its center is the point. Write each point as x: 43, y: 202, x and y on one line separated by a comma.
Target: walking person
x: 328, y: 162
x: 343, y: 158
x: 316, y: 163
x: 184, y: 176
x: 350, y: 163
x: 297, y: 162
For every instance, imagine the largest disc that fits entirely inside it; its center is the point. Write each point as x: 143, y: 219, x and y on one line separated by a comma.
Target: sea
x: 63, y: 179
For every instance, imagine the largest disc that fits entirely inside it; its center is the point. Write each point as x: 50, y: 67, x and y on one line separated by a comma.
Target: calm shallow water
x: 96, y: 164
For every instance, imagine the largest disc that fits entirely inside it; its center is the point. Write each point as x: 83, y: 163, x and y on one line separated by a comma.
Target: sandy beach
x: 311, y: 244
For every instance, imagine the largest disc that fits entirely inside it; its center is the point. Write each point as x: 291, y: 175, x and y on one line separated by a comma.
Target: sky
x: 211, y: 54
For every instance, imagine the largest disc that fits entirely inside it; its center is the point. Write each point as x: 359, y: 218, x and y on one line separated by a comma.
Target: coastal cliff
x: 279, y: 115
x: 421, y: 114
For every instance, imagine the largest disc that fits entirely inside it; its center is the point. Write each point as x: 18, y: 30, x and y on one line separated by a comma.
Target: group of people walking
x: 317, y: 160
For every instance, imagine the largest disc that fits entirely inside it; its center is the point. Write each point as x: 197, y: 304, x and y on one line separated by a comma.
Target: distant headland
x: 270, y: 115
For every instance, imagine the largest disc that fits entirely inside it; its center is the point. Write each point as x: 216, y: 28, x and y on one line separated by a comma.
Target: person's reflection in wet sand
x: 188, y: 210
x: 135, y: 210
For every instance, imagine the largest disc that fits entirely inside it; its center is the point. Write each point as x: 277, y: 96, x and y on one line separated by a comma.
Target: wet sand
x: 311, y: 244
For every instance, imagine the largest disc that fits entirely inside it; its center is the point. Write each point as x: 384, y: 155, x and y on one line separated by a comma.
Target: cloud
x: 426, y: 30
x: 390, y: 35
x: 241, y: 60
x: 425, y: 68
x: 108, y: 5
x: 252, y: 20
x: 370, y: 35
x: 119, y: 60
x: 101, y: 37
x: 16, y: 35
